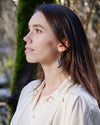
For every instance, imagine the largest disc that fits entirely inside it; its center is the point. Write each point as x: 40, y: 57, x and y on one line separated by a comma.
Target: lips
x: 28, y: 49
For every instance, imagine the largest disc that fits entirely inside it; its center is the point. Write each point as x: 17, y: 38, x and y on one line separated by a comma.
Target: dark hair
x: 77, y: 59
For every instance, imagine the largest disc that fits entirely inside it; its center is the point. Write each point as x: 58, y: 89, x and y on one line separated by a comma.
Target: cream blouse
x: 68, y: 105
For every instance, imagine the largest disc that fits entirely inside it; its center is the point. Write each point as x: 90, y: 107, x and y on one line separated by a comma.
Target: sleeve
x: 80, y: 113
x: 25, y: 91
x: 16, y: 114
x: 22, y: 96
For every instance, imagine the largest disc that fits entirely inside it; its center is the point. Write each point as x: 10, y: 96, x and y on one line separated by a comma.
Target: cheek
x: 48, y: 45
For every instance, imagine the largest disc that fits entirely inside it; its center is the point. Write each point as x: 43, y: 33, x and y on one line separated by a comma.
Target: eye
x: 38, y: 31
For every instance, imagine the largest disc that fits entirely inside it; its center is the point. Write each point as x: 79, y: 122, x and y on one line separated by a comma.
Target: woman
x: 67, y: 91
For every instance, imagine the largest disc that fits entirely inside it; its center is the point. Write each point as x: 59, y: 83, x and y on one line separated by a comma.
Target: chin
x: 31, y: 60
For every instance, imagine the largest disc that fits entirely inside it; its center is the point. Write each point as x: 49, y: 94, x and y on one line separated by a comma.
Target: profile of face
x: 41, y: 43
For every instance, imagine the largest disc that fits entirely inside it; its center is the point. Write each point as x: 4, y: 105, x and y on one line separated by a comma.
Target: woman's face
x: 41, y: 43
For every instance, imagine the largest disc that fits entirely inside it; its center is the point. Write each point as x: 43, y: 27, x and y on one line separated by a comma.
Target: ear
x: 61, y: 47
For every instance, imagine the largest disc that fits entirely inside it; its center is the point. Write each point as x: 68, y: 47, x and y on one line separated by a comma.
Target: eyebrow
x: 36, y: 25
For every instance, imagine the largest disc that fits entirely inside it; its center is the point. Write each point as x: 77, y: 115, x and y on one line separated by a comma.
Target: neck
x: 53, y: 76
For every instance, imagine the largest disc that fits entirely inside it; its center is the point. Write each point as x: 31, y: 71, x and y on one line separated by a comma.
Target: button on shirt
x: 70, y: 104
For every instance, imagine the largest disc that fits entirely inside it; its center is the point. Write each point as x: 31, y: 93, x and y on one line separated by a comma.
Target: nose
x: 27, y: 38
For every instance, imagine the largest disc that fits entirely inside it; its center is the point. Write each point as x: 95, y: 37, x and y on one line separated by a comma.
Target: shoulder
x: 79, y: 100
x: 28, y: 91
x: 79, y: 93
x: 31, y: 85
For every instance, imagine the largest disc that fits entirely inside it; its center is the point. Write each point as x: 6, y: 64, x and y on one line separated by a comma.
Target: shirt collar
x: 41, y: 86
x: 61, y: 90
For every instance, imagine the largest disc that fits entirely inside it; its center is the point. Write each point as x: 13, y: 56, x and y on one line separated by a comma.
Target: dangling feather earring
x: 60, y: 62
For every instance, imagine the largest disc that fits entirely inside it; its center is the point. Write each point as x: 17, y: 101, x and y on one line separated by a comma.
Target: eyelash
x: 38, y: 30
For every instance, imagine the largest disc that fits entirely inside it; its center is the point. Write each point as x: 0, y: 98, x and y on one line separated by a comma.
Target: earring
x: 59, y: 61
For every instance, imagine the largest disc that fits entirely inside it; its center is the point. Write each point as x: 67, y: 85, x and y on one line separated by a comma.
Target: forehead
x: 38, y: 18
